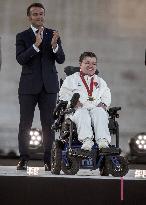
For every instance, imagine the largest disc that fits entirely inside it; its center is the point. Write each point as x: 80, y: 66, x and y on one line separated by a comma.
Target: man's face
x: 88, y: 65
x: 36, y: 16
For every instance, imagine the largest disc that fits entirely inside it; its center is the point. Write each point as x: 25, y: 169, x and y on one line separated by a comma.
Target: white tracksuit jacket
x: 89, y: 113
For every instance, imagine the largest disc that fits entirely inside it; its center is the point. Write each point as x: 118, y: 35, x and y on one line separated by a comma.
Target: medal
x: 90, y: 98
x: 90, y: 88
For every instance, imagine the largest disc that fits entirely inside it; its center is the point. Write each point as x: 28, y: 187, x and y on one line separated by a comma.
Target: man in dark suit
x: 37, y: 49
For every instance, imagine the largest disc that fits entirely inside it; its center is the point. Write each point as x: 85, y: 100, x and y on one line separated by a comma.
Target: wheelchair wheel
x: 104, y: 171
x: 72, y: 168
x: 118, y: 170
x: 56, y: 158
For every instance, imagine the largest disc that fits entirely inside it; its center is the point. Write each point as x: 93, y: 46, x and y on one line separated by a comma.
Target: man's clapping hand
x: 54, y: 39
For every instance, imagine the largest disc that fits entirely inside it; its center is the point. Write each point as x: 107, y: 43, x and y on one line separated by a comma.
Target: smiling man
x: 37, y: 50
x: 91, y: 109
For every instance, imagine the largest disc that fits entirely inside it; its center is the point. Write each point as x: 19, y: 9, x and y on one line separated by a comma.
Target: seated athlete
x: 91, y: 109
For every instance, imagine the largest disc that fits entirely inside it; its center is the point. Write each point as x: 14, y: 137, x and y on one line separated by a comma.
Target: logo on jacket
x: 96, y: 84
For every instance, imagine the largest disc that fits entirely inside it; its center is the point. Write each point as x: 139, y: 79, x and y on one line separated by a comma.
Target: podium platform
x: 37, y: 187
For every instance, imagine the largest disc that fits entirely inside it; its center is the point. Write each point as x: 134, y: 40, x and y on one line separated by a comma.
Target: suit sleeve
x: 23, y: 54
x: 59, y: 55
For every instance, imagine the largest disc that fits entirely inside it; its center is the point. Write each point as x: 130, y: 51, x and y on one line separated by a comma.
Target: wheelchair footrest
x: 82, y: 153
x: 110, y: 151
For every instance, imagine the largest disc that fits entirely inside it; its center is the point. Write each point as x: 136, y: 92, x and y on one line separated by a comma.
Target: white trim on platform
x: 133, y: 174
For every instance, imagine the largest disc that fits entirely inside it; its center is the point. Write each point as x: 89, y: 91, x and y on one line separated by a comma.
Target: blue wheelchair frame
x: 71, y: 158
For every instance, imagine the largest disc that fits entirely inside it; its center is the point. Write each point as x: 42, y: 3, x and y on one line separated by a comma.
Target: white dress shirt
x: 36, y: 48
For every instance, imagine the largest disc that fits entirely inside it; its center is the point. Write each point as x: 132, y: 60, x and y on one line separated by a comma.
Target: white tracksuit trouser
x: 97, y: 117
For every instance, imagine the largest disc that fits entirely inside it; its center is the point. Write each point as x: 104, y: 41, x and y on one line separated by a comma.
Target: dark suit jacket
x: 38, y: 69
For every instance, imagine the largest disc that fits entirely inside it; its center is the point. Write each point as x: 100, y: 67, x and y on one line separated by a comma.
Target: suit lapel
x: 31, y: 36
x: 47, y: 37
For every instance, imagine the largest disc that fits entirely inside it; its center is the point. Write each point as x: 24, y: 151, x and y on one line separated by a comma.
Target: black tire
x: 104, y: 171
x: 117, y: 171
x: 73, y: 167
x: 56, y: 153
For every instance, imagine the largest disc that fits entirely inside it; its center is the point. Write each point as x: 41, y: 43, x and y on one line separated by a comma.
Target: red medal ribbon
x: 89, y: 91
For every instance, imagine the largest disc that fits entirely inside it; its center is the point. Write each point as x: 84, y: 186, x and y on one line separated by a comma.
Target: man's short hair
x: 87, y: 54
x: 34, y: 5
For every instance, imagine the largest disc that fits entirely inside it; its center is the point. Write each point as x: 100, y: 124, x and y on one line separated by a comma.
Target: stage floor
x: 133, y: 174
x: 35, y: 167
x: 36, y: 186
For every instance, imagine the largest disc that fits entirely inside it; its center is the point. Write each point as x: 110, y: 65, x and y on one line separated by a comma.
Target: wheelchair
x: 67, y: 155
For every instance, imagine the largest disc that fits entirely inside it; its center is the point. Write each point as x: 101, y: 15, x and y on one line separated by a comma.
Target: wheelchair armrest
x: 113, y: 112
x: 60, y: 106
x: 73, y: 102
